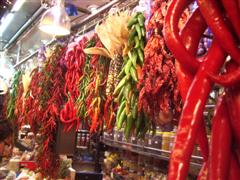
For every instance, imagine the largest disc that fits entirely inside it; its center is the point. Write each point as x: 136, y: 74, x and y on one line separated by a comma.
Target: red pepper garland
x: 31, y: 111
x: 96, y: 96
x: 221, y: 162
x: 42, y: 109
x: 74, y: 60
x: 158, y: 83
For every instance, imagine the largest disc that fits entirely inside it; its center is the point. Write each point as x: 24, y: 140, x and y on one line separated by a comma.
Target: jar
x: 157, y: 140
x: 115, y: 135
x: 111, y: 135
x: 147, y: 140
x: 120, y: 136
x: 165, y: 142
x: 134, y: 140
x: 172, y: 140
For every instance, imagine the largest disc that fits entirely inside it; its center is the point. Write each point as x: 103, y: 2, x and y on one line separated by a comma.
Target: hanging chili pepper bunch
x: 196, y: 77
x: 52, y: 100
x: 42, y: 108
x: 11, y: 103
x: 83, y: 84
x: 159, y: 96
x: 96, y: 88
x: 74, y: 60
x: 32, y: 112
x: 126, y: 93
x: 114, y: 40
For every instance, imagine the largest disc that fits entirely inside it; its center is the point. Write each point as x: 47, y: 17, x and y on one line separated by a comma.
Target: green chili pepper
x: 133, y: 21
x: 129, y: 125
x: 131, y: 37
x: 139, y: 32
x: 141, y: 19
x: 143, y: 31
x: 127, y: 89
x: 137, y: 42
x: 120, y: 84
x: 120, y: 95
x: 133, y: 74
x: 120, y: 109
x: 121, y: 119
x: 142, y: 44
x: 127, y: 67
x: 140, y: 55
x: 134, y: 58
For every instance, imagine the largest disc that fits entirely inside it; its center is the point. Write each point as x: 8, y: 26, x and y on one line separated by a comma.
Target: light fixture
x: 5, y: 22
x: 18, y: 5
x: 55, y: 20
x: 6, y: 68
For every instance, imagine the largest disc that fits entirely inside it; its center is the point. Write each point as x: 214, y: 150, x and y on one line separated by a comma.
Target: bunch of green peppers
x: 126, y: 93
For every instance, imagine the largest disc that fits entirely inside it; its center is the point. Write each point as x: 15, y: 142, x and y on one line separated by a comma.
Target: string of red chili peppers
x: 221, y: 163
x: 96, y: 89
x: 159, y: 95
x: 42, y: 109
x: 74, y: 60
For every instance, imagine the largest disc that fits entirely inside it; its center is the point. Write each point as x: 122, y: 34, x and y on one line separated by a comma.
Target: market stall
x: 125, y: 89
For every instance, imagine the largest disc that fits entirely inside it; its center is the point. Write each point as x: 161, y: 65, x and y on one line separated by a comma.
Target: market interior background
x: 23, y: 23
x: 121, y: 101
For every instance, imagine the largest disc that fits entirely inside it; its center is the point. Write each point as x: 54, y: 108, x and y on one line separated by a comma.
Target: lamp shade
x: 55, y: 21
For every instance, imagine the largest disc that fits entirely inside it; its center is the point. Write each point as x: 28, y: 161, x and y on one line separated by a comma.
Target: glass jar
x: 166, y: 136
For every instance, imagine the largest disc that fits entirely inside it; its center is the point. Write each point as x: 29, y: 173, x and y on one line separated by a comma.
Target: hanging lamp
x: 55, y: 20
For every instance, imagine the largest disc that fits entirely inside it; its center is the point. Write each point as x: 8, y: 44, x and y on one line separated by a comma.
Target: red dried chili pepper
x: 190, y: 37
x: 192, y: 114
x: 234, y: 169
x: 233, y: 13
x: 215, y: 20
x: 158, y: 90
x: 172, y: 38
x: 220, y: 153
x: 233, y: 104
x: 227, y: 80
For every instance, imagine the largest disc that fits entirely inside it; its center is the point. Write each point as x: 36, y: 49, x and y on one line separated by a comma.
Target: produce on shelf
x: 115, y: 41
x: 42, y: 107
x: 221, y: 161
x: 159, y: 96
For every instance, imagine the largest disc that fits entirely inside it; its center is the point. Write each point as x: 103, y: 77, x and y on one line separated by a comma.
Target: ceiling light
x: 18, y: 5
x: 55, y: 20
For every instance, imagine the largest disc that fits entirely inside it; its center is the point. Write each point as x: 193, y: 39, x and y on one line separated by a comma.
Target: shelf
x: 196, y: 161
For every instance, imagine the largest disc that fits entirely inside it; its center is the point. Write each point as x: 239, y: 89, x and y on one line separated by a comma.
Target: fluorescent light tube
x: 5, y: 22
x: 17, y: 5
